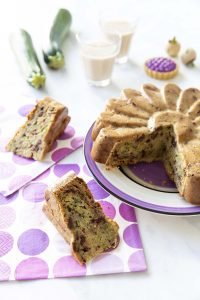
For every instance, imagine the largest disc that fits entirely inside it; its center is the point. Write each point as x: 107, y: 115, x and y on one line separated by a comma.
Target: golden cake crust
x: 43, y: 126
x: 169, y: 116
x: 79, y: 219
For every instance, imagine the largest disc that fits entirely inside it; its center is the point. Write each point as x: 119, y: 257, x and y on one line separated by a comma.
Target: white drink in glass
x: 125, y: 30
x: 98, y: 56
x: 123, y: 24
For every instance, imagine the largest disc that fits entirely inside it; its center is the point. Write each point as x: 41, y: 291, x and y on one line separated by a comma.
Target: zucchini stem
x: 28, y: 61
x: 54, y: 57
x: 36, y: 80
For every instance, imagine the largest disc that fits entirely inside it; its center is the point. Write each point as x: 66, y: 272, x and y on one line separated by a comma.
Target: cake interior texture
x: 80, y: 219
x: 158, y: 125
x: 157, y: 146
x: 44, y: 124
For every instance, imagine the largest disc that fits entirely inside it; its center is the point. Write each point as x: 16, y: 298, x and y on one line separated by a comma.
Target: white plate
x: 143, y: 185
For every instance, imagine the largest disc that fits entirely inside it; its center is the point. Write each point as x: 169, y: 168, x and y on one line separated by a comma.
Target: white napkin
x: 32, y: 248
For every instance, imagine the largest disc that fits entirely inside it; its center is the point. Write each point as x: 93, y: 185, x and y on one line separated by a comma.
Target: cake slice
x: 44, y: 124
x: 79, y: 219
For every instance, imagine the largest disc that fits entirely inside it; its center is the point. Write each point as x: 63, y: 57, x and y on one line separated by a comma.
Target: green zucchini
x: 26, y: 55
x: 54, y: 56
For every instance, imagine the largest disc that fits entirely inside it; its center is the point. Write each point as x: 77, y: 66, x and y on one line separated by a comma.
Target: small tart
x: 161, y: 68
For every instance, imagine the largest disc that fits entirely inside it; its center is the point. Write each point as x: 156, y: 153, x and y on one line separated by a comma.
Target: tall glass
x: 112, y: 23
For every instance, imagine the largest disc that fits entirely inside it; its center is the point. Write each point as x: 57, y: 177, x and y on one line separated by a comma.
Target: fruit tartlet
x: 161, y: 68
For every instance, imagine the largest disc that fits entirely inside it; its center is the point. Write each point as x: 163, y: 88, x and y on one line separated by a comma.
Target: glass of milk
x: 98, y: 52
x: 112, y: 23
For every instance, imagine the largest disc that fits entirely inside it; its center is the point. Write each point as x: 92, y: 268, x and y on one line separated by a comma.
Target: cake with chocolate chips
x: 153, y: 125
x: 43, y: 126
x: 72, y: 209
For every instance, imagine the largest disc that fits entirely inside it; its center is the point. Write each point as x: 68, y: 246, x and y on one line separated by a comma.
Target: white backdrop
x: 171, y: 244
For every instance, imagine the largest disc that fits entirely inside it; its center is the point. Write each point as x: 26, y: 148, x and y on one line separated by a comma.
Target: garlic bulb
x: 189, y: 56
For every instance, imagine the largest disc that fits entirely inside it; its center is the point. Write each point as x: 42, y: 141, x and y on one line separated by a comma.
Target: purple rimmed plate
x: 144, y: 185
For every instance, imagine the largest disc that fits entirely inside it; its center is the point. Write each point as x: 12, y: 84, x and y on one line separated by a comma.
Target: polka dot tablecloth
x: 15, y: 171
x: 30, y: 246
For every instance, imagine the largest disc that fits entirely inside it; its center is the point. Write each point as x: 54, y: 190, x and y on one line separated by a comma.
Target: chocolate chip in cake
x: 39, y: 126
x: 70, y: 223
x: 82, y: 239
x: 140, y: 138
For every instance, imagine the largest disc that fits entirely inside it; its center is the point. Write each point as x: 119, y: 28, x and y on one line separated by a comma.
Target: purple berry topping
x: 161, y: 64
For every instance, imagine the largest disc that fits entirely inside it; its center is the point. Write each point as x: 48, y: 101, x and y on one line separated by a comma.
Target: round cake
x: 161, y: 68
x: 150, y: 126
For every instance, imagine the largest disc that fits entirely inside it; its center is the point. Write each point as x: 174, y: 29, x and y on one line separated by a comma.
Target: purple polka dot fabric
x: 68, y: 133
x: 127, y: 212
x: 7, y: 216
x: 108, y: 209
x: 62, y: 169
x: 131, y: 236
x: 17, y: 171
x: 67, y: 266
x: 97, y: 191
x: 32, y: 248
x: 25, y: 109
x: 136, y: 261
x: 61, y: 153
x: 32, y: 268
x: 4, y: 271
x: 6, y: 243
x: 22, y: 160
x: 44, y: 175
x: 8, y: 199
x: 18, y: 181
x: 77, y: 142
x: 104, y: 262
x: 6, y: 170
x: 33, y: 242
x: 34, y: 191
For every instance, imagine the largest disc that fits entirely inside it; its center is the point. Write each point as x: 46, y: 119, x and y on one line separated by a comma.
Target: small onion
x: 189, y: 56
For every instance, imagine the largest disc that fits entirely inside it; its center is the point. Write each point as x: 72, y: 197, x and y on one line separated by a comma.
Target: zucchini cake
x: 153, y: 125
x: 43, y: 126
x: 79, y: 218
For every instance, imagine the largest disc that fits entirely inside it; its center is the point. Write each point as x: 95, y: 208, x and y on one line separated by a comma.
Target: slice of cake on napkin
x: 72, y: 209
x: 44, y: 124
